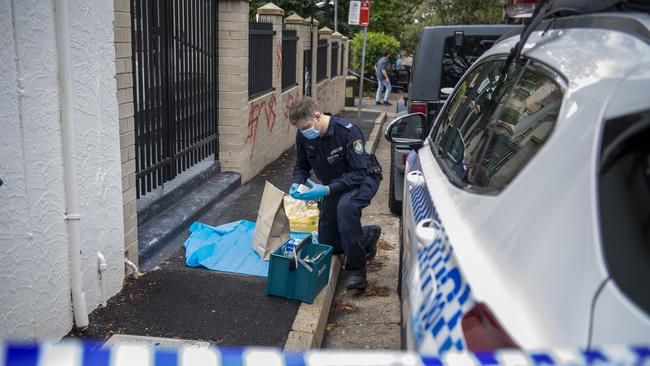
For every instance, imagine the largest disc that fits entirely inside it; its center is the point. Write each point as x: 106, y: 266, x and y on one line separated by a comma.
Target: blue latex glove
x: 293, y: 191
x: 316, y: 192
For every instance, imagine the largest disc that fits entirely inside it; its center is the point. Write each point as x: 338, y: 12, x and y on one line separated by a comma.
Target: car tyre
x: 394, y: 205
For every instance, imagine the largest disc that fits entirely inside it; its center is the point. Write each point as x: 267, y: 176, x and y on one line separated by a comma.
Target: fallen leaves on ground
x: 374, y: 266
x: 332, y: 326
x: 384, y: 245
x: 374, y: 290
x: 345, y: 307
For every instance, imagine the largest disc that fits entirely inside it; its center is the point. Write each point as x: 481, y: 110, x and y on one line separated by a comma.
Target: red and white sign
x: 359, y: 13
x: 364, y: 16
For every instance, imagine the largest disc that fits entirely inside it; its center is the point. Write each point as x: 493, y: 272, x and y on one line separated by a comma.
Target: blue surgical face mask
x: 310, y: 133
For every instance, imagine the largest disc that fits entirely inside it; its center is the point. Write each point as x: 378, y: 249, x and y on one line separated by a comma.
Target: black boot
x: 356, y: 279
x: 374, y: 231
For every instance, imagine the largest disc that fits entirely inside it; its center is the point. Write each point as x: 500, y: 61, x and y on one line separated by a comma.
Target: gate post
x: 124, y: 74
x: 233, y: 82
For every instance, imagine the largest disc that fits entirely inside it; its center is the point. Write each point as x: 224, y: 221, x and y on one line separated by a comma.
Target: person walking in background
x: 381, y: 69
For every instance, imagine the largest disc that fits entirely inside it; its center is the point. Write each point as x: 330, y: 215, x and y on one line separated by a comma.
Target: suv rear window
x: 624, y: 205
x: 484, y: 140
x: 457, y: 59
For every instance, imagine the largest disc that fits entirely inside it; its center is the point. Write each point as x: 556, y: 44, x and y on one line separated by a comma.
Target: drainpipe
x: 101, y: 268
x: 134, y: 269
x: 68, y: 136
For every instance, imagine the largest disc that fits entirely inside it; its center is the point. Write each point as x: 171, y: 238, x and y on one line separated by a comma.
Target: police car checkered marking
x: 445, y: 295
x: 411, y: 158
x: 91, y: 355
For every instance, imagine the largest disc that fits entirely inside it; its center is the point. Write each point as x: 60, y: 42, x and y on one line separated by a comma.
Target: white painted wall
x: 35, y: 295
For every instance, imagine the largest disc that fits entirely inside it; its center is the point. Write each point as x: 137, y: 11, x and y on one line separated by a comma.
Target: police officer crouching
x: 334, y: 149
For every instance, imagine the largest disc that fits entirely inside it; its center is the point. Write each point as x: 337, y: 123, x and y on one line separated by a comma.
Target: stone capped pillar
x: 273, y: 14
x: 233, y: 83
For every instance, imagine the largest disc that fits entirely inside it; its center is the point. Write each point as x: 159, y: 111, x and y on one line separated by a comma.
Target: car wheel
x: 394, y: 205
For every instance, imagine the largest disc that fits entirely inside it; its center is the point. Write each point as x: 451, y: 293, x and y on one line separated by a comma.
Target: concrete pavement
x: 371, y: 321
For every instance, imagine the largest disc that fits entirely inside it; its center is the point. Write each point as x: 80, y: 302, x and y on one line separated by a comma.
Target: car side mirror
x: 407, y: 129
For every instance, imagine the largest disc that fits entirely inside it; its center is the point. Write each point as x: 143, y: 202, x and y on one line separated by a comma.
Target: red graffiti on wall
x: 269, y: 112
x: 288, y: 99
x: 278, y: 57
x: 253, y: 121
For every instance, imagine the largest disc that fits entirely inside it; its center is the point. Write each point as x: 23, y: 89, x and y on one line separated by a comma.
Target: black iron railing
x: 175, y: 87
x: 260, y: 61
x: 306, y: 72
x: 334, y: 72
x: 289, y: 49
x: 343, y: 71
x: 321, y: 60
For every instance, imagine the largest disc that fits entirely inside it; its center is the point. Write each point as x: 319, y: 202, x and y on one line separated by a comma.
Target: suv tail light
x: 419, y: 107
x: 483, y: 332
x: 404, y: 157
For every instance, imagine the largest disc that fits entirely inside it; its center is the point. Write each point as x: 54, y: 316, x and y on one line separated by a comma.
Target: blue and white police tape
x: 72, y: 353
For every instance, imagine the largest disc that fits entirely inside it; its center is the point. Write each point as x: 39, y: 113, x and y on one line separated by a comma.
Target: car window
x: 624, y: 204
x: 482, y: 139
x: 457, y: 59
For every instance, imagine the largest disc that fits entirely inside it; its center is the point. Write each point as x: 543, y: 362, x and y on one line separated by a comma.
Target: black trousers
x: 339, y: 224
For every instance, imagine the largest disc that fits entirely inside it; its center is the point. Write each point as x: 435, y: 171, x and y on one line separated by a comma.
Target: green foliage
x: 467, y: 11
x: 376, y: 45
x: 324, y: 15
x: 400, y: 19
x: 447, y: 12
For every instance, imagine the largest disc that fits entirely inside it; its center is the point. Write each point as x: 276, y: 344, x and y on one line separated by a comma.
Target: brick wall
x: 253, y: 133
x: 123, y: 69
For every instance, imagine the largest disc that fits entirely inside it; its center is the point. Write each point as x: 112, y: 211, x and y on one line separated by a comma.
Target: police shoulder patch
x: 358, y: 146
x: 344, y: 123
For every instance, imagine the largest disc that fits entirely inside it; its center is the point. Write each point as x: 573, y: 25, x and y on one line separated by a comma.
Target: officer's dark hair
x: 301, y: 109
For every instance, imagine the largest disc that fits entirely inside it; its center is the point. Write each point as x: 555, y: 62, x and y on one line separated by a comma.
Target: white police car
x: 526, y: 213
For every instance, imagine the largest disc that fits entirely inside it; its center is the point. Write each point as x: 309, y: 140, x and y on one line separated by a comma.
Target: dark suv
x: 444, y: 54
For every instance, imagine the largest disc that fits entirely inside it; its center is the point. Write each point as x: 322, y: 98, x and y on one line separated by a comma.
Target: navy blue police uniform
x: 339, y: 160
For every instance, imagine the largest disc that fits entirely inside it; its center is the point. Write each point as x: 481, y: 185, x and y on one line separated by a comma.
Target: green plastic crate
x: 299, y: 284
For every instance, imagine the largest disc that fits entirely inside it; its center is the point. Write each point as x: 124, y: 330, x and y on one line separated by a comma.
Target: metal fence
x: 289, y: 50
x: 175, y: 87
x: 321, y: 60
x: 335, y: 60
x: 260, y: 63
x: 306, y: 72
x: 343, y: 71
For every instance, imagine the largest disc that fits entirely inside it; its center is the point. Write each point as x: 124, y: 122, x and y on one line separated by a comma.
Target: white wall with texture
x: 35, y: 300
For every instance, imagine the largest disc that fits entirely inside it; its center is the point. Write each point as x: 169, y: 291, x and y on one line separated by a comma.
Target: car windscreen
x: 458, y: 58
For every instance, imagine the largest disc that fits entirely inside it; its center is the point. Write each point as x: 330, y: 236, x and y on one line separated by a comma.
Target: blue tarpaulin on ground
x: 226, y: 248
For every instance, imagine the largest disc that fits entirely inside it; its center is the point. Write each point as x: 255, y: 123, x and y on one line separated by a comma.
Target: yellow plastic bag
x: 303, y: 215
